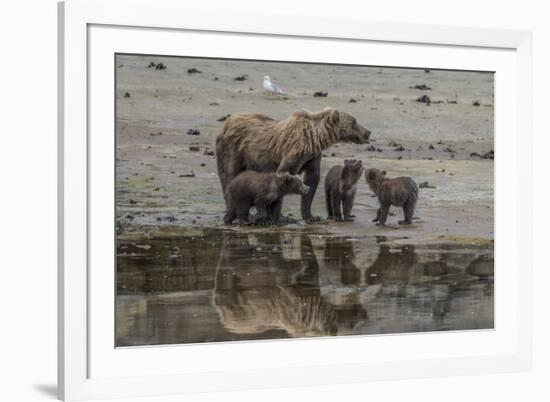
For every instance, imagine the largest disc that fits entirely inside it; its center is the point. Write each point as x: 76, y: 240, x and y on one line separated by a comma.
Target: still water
x: 217, y: 285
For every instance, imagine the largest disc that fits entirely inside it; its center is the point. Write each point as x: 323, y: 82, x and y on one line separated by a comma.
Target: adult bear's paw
x: 312, y: 219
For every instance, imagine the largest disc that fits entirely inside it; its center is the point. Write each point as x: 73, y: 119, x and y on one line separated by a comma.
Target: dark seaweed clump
x: 424, y: 99
x: 422, y: 87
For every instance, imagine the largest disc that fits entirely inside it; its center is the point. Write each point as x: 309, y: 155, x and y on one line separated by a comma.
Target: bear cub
x: 399, y: 192
x: 265, y: 191
x: 340, y: 188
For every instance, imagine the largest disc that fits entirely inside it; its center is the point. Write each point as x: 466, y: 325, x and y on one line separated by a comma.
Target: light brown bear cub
x: 400, y: 192
x: 265, y: 191
x: 340, y: 187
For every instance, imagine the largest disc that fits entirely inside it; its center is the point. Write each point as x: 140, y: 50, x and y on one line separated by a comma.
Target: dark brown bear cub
x: 400, y: 192
x: 340, y: 187
x: 265, y: 191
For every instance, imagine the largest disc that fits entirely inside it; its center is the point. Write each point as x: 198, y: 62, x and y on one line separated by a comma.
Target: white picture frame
x: 89, y: 369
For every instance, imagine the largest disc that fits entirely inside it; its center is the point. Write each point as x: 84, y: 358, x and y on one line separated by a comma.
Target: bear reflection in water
x: 319, y: 286
x: 280, y: 284
x: 255, y: 294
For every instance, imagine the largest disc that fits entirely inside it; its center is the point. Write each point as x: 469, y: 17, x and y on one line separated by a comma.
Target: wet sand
x: 168, y: 190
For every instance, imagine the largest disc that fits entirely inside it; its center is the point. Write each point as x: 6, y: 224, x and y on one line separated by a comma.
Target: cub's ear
x: 384, y: 172
x: 347, y: 162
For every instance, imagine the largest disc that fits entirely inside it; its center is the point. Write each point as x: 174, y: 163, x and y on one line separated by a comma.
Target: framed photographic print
x: 245, y: 204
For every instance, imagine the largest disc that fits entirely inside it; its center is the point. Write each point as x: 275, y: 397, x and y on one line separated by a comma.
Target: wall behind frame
x: 28, y: 203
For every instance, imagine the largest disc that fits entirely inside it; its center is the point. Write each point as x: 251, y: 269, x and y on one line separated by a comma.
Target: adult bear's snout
x: 364, y: 135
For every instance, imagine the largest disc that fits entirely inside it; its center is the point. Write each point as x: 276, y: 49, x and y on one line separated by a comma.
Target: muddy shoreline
x: 168, y: 177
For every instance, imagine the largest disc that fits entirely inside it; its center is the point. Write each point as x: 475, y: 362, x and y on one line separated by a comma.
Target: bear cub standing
x: 400, y: 192
x: 265, y: 191
x: 340, y: 187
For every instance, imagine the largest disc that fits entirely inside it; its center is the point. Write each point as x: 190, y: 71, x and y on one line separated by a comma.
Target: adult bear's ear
x: 301, y: 113
x: 331, y: 114
x: 334, y: 116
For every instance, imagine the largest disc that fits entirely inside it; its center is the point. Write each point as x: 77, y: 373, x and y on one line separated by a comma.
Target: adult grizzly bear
x: 295, y: 145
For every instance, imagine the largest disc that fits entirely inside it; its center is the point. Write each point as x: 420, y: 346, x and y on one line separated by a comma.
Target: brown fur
x: 294, y: 145
x: 340, y: 188
x: 400, y: 192
x: 265, y: 191
x: 277, y: 308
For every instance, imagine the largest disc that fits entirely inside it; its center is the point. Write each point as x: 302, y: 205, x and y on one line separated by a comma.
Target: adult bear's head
x: 344, y: 126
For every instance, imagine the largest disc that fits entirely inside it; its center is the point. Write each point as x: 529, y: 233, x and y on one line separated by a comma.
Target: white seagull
x: 271, y: 87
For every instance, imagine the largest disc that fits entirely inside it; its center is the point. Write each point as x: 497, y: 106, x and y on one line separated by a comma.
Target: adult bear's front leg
x: 312, y: 175
x: 291, y: 166
x: 229, y: 166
